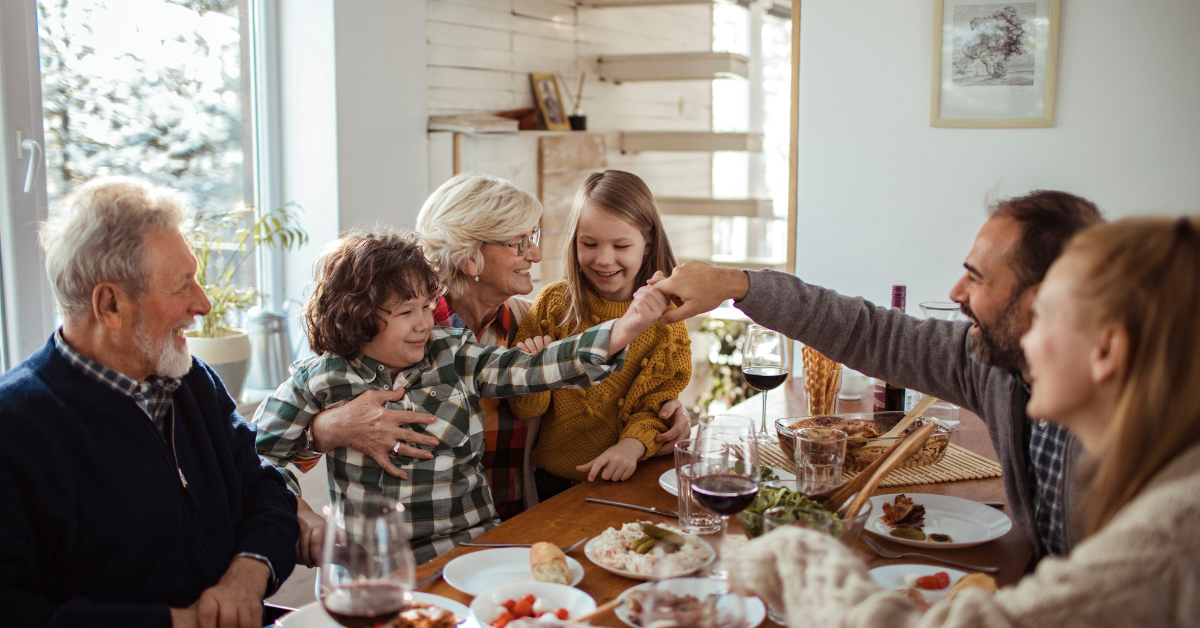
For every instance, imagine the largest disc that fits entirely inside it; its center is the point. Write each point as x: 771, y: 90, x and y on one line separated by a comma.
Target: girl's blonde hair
x: 627, y: 197
x: 463, y: 214
x: 1144, y: 274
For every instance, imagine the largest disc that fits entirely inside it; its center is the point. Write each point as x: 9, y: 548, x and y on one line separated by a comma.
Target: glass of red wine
x: 765, y: 366
x: 367, y: 565
x: 726, y: 484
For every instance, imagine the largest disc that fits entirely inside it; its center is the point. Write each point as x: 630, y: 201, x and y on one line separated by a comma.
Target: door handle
x: 35, y: 159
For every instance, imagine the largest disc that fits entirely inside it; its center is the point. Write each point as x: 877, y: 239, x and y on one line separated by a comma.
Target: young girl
x: 370, y: 320
x: 616, y: 243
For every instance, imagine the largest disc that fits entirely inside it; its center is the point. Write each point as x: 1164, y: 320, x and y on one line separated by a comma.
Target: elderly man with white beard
x: 132, y: 492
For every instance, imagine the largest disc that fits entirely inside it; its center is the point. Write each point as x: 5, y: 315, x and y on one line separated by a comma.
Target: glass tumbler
x: 692, y: 516
x: 820, y: 453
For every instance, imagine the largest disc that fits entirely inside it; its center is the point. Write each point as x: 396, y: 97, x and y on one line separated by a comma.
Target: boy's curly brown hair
x: 360, y: 274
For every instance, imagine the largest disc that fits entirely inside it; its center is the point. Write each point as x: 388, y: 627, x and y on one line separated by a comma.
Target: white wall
x: 884, y: 198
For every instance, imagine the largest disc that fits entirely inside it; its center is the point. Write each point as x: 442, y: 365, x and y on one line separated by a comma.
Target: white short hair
x: 99, y: 235
x: 466, y: 211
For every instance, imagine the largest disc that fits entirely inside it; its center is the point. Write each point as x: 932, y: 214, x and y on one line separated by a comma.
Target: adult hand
x: 312, y: 534
x: 697, y: 287
x: 534, y: 344
x: 236, y: 600
x: 681, y: 426
x: 364, y: 424
x: 184, y: 617
x: 616, y: 463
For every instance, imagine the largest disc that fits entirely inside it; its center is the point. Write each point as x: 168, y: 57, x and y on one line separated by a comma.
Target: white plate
x: 892, y: 577
x: 314, y: 616
x: 968, y: 523
x: 589, y: 551
x: 477, y: 572
x: 485, y: 608
x: 756, y: 611
x: 670, y: 482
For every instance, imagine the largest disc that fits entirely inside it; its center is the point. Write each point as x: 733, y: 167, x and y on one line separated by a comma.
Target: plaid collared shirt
x: 1047, y: 449
x: 446, y: 497
x: 504, y: 434
x: 155, y: 396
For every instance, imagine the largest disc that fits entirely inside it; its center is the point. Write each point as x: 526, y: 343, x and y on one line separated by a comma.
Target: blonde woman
x: 1114, y: 354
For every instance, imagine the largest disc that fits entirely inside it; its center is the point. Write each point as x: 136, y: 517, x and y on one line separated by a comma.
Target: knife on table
x: 657, y: 511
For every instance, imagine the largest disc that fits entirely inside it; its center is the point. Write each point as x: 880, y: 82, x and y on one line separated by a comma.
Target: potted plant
x: 222, y: 243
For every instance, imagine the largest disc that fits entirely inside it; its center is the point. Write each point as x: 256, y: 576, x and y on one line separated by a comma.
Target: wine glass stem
x: 763, y: 428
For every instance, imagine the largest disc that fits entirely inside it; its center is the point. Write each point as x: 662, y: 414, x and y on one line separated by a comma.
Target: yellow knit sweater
x: 578, y: 425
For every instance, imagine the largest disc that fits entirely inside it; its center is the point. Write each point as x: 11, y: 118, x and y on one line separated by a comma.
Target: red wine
x: 724, y: 494
x: 764, y: 377
x: 366, y: 605
x: 888, y: 396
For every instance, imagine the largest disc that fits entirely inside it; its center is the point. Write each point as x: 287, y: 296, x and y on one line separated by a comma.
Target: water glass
x: 821, y: 387
x: 945, y: 411
x: 820, y: 453
x: 941, y: 310
x: 693, y: 517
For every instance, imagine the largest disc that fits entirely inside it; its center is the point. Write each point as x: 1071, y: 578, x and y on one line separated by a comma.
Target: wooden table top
x: 568, y: 518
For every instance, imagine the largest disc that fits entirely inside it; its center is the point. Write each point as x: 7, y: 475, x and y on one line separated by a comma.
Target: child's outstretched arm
x: 649, y: 304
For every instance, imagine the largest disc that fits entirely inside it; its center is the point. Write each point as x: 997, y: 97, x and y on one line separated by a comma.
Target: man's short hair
x: 99, y: 235
x: 358, y: 275
x: 1048, y: 220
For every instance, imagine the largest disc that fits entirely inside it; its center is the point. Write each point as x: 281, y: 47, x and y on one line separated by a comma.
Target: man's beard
x: 168, y: 360
x: 999, y: 344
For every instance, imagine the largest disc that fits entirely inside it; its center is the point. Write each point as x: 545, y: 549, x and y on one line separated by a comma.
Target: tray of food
x: 863, y: 445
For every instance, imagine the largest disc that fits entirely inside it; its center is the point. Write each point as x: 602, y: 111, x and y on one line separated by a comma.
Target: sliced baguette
x: 549, y: 564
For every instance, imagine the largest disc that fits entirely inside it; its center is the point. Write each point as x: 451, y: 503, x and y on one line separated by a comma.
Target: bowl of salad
x: 775, y: 494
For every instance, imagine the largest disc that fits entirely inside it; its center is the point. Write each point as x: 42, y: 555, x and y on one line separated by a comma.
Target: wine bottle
x: 890, y: 397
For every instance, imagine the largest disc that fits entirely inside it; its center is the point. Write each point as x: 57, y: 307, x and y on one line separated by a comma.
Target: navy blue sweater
x: 96, y: 527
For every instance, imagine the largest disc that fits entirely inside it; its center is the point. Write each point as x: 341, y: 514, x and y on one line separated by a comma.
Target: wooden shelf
x: 678, y: 66
x: 601, y: 4
x: 689, y: 141
x: 695, y: 206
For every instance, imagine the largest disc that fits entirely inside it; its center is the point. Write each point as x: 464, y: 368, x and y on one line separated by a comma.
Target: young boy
x: 370, y: 320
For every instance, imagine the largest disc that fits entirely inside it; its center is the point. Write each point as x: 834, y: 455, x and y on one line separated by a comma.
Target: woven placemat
x: 957, y: 464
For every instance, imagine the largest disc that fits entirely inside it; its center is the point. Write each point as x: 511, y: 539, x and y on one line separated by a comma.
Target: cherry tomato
x: 524, y: 608
x: 529, y: 598
x: 509, y: 604
x: 503, y: 620
x: 943, y: 579
x: 562, y: 613
x: 929, y: 582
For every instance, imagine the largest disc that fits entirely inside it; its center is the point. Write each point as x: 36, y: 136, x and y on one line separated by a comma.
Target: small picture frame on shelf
x: 995, y: 64
x: 549, y: 101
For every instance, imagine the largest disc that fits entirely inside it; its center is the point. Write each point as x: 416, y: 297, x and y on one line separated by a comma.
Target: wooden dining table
x: 568, y: 517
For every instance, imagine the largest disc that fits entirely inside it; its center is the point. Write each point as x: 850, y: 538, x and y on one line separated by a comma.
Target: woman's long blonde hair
x: 627, y: 197
x: 1144, y: 274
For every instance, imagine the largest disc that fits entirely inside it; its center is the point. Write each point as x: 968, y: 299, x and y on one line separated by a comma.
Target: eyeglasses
x: 523, y: 244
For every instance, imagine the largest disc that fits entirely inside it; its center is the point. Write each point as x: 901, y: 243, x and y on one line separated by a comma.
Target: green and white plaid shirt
x: 447, y: 497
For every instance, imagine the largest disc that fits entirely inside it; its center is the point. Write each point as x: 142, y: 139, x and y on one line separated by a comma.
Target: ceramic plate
x: 477, y: 572
x: 670, y: 483
x: 589, y: 550
x: 756, y: 611
x: 968, y: 523
x: 314, y: 616
x: 892, y: 577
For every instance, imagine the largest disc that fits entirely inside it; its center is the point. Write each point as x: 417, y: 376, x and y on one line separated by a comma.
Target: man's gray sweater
x: 930, y: 356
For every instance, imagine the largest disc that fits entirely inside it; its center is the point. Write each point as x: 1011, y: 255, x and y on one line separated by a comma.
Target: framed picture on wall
x: 549, y: 101
x: 995, y: 64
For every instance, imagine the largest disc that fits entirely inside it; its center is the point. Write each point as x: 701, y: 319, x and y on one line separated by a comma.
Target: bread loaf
x: 549, y: 564
x: 980, y: 581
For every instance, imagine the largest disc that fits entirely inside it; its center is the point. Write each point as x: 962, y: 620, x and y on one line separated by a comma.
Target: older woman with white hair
x: 481, y: 234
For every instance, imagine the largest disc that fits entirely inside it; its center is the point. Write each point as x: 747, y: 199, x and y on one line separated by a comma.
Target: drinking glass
x: 941, y: 310
x: 810, y: 517
x: 820, y: 453
x: 725, y: 484
x: 367, y: 566
x: 692, y: 517
x: 765, y: 366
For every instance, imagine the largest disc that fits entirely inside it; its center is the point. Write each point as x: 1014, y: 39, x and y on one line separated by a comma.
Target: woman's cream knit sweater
x: 1142, y: 569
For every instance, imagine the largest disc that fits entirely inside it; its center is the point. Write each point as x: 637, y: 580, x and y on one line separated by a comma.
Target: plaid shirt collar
x: 445, y: 316
x: 153, y: 396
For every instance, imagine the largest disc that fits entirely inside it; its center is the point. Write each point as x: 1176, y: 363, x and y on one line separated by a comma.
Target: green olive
x: 906, y: 533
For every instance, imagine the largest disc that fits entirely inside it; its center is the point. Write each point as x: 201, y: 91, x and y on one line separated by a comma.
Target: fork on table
x: 565, y: 550
x: 884, y: 553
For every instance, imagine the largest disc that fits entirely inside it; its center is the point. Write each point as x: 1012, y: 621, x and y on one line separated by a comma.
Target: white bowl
x: 486, y: 606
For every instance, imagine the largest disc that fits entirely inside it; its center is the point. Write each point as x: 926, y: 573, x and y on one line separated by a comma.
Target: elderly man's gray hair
x: 99, y: 235
x: 463, y: 214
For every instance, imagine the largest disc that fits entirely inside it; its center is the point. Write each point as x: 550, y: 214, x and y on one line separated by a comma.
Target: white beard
x: 168, y: 360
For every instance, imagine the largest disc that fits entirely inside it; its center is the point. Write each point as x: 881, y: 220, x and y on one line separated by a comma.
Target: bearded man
x: 977, y: 365
x: 133, y: 494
